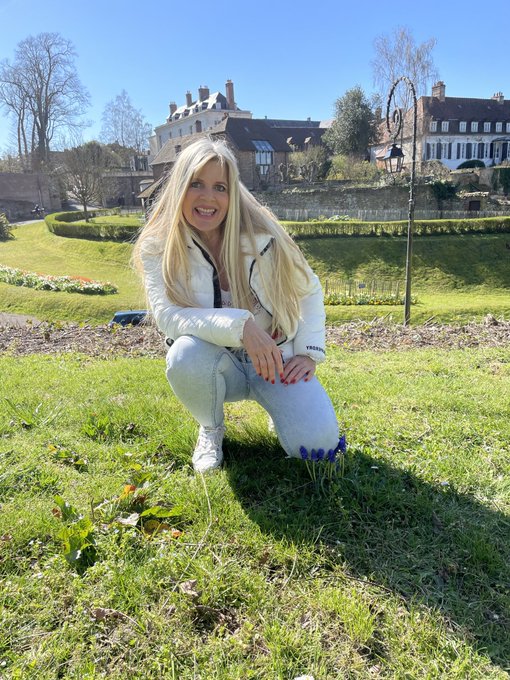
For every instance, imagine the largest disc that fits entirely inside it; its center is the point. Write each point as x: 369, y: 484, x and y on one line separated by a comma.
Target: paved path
x: 18, y: 320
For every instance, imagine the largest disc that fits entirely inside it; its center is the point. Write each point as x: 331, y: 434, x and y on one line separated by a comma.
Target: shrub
x: 72, y: 225
x: 326, y: 228
x: 5, y: 227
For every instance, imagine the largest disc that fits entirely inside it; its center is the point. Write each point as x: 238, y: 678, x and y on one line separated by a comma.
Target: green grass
x: 34, y: 248
x: 131, y: 220
x: 455, y: 278
x: 398, y: 570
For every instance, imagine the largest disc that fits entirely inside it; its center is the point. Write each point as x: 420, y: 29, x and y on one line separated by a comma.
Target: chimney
x: 439, y: 90
x: 173, y: 108
x: 498, y: 97
x: 203, y: 93
x: 189, y: 101
x: 229, y: 91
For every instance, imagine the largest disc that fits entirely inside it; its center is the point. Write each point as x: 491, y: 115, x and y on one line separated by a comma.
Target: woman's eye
x: 220, y: 187
x: 195, y: 185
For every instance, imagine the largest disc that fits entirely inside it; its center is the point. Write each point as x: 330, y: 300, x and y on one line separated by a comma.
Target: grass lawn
x: 455, y: 278
x: 34, y: 248
x: 400, y: 569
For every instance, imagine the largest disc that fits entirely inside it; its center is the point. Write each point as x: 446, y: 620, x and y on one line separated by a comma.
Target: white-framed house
x: 195, y: 117
x: 455, y: 129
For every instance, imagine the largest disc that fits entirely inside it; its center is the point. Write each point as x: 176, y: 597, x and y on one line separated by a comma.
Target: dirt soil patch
x: 147, y: 341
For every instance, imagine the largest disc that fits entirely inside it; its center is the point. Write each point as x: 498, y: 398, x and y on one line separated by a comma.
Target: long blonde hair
x: 166, y: 229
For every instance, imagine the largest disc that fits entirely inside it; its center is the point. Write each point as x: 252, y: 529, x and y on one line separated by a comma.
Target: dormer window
x: 499, y: 127
x: 204, y: 106
x: 462, y: 126
x: 444, y: 126
x: 433, y: 125
x: 486, y: 127
x: 474, y: 126
x: 508, y: 127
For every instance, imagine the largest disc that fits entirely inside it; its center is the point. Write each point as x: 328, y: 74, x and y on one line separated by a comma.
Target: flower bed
x: 69, y: 284
x: 364, y: 299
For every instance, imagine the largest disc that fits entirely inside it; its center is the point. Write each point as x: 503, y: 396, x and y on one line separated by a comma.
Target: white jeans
x: 204, y: 376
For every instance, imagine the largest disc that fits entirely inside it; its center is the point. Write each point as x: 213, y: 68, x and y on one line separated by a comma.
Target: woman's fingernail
x: 282, y: 381
x: 281, y: 376
x: 292, y: 381
x: 272, y: 382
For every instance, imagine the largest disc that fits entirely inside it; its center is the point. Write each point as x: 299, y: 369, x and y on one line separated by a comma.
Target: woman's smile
x: 205, y: 204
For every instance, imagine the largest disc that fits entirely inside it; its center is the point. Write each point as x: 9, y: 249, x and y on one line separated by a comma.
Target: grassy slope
x: 34, y: 248
x: 400, y: 570
x: 455, y: 277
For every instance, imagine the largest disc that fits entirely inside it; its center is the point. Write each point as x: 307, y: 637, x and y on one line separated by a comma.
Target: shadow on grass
x: 424, y: 542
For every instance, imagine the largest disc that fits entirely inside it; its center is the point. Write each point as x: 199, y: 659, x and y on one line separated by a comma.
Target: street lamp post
x: 393, y: 161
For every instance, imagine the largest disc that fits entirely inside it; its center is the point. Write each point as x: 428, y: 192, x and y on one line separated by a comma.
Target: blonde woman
x: 241, y: 309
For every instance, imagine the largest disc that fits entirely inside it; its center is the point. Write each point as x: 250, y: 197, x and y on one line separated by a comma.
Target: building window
x: 481, y: 150
x: 474, y: 126
x: 508, y: 127
x: 263, y: 156
x: 462, y: 126
x: 486, y: 127
x: 499, y: 127
x: 444, y: 126
x: 433, y: 125
x: 468, y: 151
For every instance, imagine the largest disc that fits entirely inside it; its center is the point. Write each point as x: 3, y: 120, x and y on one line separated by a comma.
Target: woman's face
x: 205, y: 204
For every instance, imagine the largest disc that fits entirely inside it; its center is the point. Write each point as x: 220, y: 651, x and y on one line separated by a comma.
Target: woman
x: 241, y: 309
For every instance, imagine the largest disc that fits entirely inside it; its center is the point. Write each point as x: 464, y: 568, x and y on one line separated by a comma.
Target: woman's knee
x: 191, y: 354
x: 321, y: 436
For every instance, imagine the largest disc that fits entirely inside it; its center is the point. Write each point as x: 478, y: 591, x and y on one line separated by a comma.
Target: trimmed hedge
x: 483, y: 225
x: 72, y: 225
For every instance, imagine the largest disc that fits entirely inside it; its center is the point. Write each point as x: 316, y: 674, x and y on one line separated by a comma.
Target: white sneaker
x: 208, y: 453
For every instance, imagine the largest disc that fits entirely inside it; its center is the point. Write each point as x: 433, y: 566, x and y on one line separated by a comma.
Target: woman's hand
x: 263, y: 352
x: 298, y: 368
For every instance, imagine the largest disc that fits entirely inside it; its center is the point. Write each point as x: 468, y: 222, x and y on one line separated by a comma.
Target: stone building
x: 455, y: 129
x: 196, y: 116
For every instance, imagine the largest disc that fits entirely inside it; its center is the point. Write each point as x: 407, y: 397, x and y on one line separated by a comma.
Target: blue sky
x: 288, y: 59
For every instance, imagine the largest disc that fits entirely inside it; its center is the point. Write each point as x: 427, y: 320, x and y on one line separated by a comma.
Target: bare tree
x: 86, y: 169
x: 124, y: 124
x: 398, y: 54
x: 43, y: 93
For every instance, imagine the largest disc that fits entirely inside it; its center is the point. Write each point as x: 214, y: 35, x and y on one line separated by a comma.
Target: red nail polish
x: 292, y: 381
x: 272, y: 382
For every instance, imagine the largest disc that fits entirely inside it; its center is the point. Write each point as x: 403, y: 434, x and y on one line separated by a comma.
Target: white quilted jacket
x: 224, y: 326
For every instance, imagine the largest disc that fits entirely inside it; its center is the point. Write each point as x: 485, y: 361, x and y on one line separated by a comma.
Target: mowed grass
x: 34, y: 248
x: 455, y: 278
x: 400, y: 569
